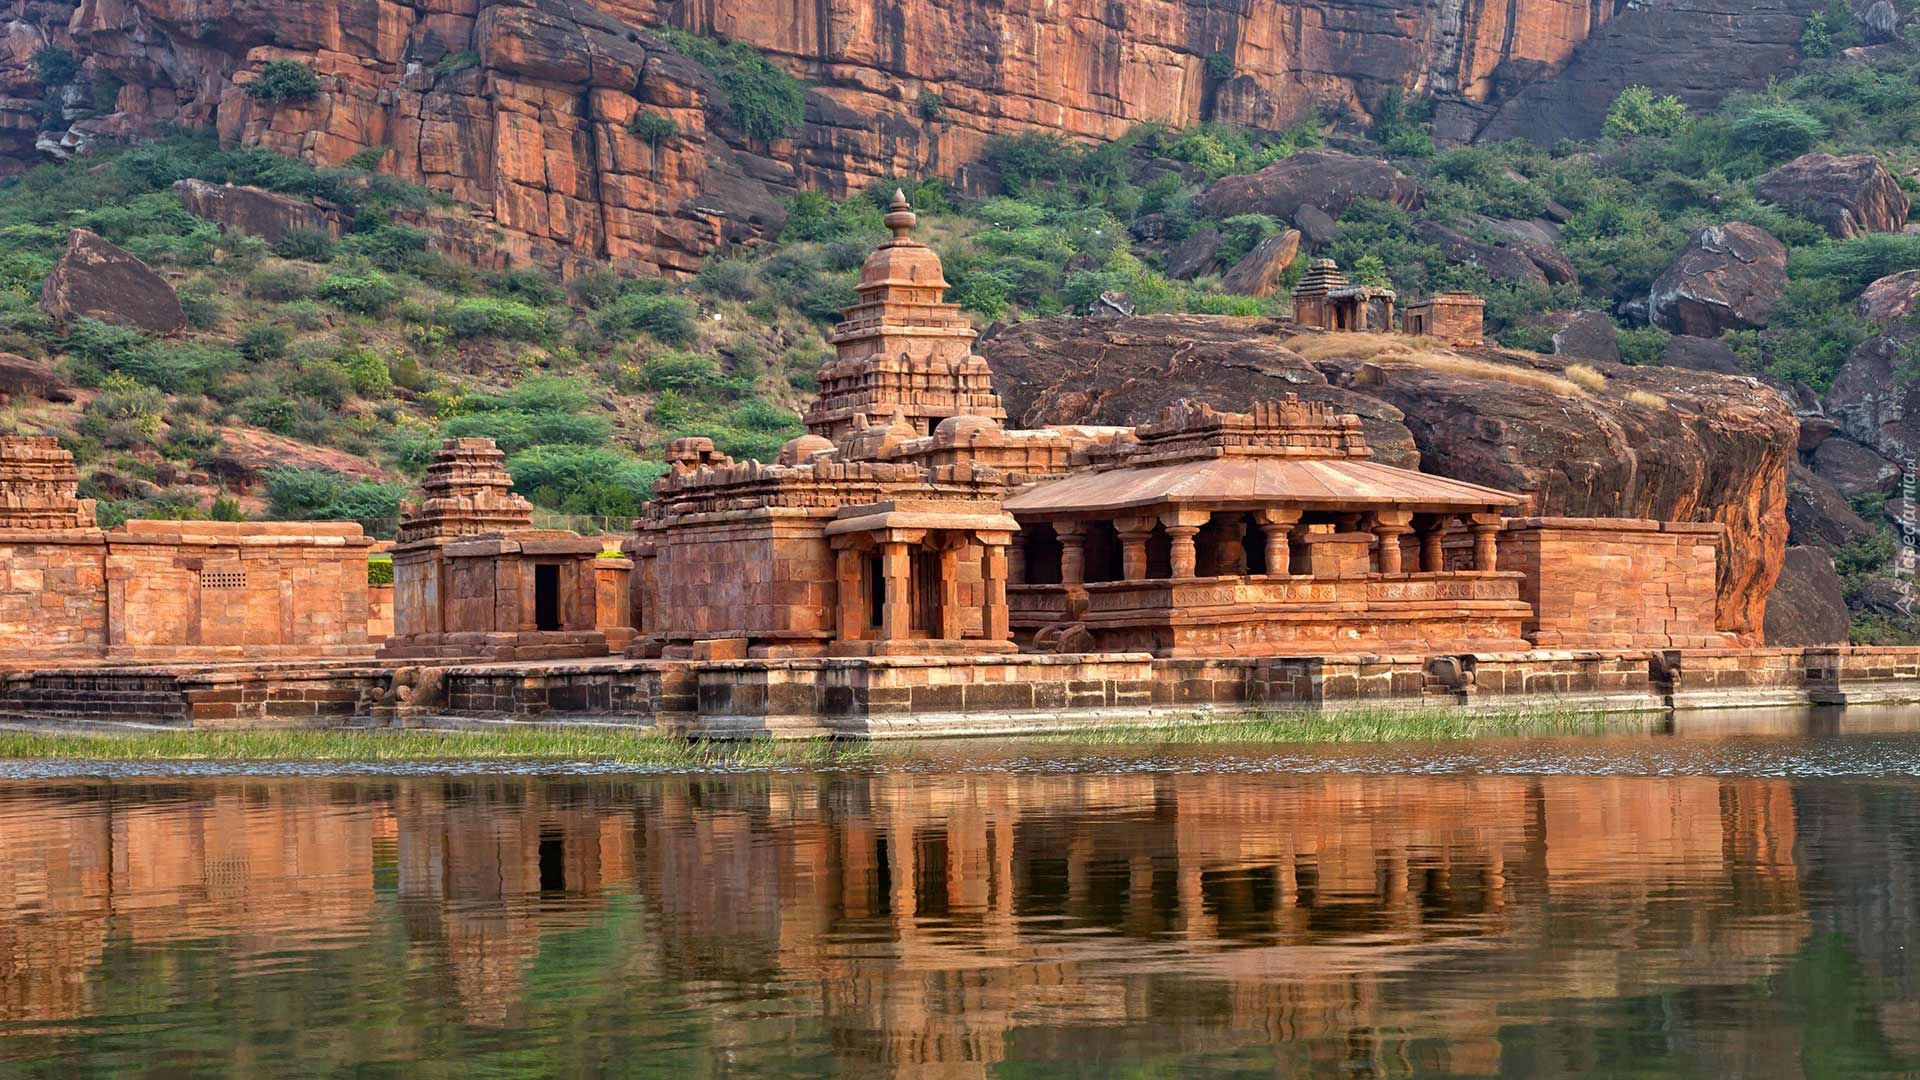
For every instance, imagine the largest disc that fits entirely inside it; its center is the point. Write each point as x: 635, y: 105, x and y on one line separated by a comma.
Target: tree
x: 1637, y: 112
x: 282, y: 81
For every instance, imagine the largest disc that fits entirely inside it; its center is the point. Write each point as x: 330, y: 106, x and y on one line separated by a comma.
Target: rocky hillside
x: 619, y: 131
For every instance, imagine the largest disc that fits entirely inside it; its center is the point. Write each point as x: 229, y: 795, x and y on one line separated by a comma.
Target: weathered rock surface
x: 1700, y: 354
x: 1500, y: 262
x: 1697, y: 50
x: 1588, y: 335
x: 1728, y: 278
x: 1316, y: 225
x: 1873, y: 405
x: 21, y: 377
x: 1196, y: 255
x: 1853, y: 469
x: 1891, y: 298
x: 97, y: 279
x: 1808, y: 605
x: 1818, y: 514
x: 1259, y: 273
x: 1326, y: 180
x: 265, y: 214
x: 1848, y: 196
x: 1719, y: 451
x: 247, y: 454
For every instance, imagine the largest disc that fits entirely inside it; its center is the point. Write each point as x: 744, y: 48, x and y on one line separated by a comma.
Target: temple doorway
x: 546, y: 596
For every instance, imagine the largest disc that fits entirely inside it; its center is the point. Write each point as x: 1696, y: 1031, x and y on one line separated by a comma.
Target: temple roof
x: 1258, y: 482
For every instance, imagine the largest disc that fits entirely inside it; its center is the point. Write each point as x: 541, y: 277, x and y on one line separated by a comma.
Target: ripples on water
x: 1679, y: 906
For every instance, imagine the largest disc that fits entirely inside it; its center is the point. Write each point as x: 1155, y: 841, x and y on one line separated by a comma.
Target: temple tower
x: 902, y: 349
x: 466, y: 492
x: 39, y: 486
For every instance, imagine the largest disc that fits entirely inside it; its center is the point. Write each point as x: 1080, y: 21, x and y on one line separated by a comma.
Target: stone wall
x: 171, y: 590
x: 1616, y: 583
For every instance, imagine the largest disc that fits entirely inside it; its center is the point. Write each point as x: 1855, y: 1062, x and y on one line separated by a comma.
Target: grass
x: 1647, y: 399
x: 642, y: 748
x: 1400, y: 349
x: 622, y: 746
x: 1367, y: 724
x: 1588, y: 378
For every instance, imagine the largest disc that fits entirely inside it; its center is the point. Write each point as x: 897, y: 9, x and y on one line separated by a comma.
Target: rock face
x: 1891, y: 298
x: 1326, y: 180
x: 523, y: 109
x: 1847, y: 196
x: 1700, y: 354
x: 21, y: 377
x: 1818, y: 514
x: 1719, y: 450
x: 1808, y: 606
x: 1259, y: 273
x: 1853, y: 469
x: 1588, y: 335
x: 1728, y: 278
x: 1872, y: 404
x: 1698, y: 50
x: 250, y: 210
x: 96, y: 279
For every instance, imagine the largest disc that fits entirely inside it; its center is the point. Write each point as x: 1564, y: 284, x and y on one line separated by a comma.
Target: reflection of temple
x: 933, y: 925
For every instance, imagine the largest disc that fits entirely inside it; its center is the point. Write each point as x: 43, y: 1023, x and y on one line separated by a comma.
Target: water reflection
x: 961, y: 924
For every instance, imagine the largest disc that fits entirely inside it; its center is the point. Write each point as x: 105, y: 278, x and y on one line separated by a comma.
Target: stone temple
x: 911, y: 521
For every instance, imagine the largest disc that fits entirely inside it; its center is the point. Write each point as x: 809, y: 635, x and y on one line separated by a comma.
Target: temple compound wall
x: 1616, y: 583
x: 165, y: 590
x: 473, y: 578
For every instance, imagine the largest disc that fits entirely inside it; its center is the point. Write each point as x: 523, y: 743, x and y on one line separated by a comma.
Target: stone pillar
x: 1016, y: 554
x: 850, y: 620
x: 1134, y: 533
x: 993, y: 571
x: 1182, y: 526
x: 1073, y: 551
x: 1389, y: 526
x: 1433, y: 550
x: 949, y: 593
x: 1230, y: 546
x: 1277, y: 526
x: 1486, y: 546
x: 896, y: 567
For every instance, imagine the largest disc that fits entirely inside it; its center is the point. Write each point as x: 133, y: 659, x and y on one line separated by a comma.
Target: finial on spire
x: 900, y: 216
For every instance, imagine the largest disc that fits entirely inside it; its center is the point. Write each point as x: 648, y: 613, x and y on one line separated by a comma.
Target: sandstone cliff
x: 521, y: 108
x: 1685, y: 446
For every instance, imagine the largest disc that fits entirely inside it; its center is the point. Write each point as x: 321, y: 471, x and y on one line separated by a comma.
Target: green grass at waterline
x: 626, y: 746
x: 528, y: 744
x: 1369, y: 724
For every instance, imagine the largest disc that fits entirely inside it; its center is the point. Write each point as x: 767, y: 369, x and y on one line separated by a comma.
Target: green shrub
x: 668, y: 319
x: 201, y: 304
x: 1830, y: 31
x: 765, y: 101
x: 1854, y: 264
x: 455, y: 62
x: 653, y: 128
x: 811, y: 215
x: 585, y: 480
x: 1775, y: 132
x: 318, y: 495
x: 1030, y: 158
x: 280, y: 283
x: 364, y: 292
x: 306, y: 245
x: 528, y: 285
x: 1646, y: 345
x: 931, y: 106
x: 275, y: 414
x: 511, y: 320
x: 514, y: 430
x: 1637, y: 112
x: 283, y: 81
x: 54, y: 66
x: 264, y: 341
x: 687, y: 373
x: 389, y: 247
x: 380, y: 570
x: 367, y: 372
x: 127, y: 412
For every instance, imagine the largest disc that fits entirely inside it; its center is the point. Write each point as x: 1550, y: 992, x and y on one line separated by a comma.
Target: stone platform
x: 947, y: 696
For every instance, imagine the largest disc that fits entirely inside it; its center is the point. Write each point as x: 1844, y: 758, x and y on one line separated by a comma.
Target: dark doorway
x: 876, y: 592
x: 1043, y: 554
x: 553, y: 862
x: 546, y: 597
x: 1102, y: 553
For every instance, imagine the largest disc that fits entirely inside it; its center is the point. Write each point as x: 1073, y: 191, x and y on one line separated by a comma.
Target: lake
x: 1659, y: 905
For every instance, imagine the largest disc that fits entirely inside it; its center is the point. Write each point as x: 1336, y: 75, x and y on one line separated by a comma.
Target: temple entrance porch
x: 921, y: 583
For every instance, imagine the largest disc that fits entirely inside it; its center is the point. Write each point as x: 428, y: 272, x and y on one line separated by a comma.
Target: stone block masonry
x: 1616, y: 583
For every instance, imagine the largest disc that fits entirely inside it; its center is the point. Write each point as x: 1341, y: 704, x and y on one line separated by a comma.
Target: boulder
x: 1326, y: 180
x: 1588, y: 335
x: 1700, y: 354
x: 1316, y: 225
x: 1848, y: 196
x: 1719, y: 452
x: 96, y: 279
x: 1853, y: 469
x: 21, y: 377
x: 1885, y: 597
x: 1196, y: 255
x: 257, y: 212
x: 1818, y: 514
x: 1259, y: 273
x: 1500, y: 263
x: 1728, y: 278
x: 1814, y: 430
x: 1881, y: 22
x: 1873, y: 405
x: 1808, y: 605
x: 247, y: 454
x: 1891, y: 298
x: 1540, y: 232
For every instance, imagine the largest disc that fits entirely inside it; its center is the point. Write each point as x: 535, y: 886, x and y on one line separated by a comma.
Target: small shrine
x: 1326, y: 300
x: 473, y: 578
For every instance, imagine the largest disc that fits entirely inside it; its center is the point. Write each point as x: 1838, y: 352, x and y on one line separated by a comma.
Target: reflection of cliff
x: 935, y: 924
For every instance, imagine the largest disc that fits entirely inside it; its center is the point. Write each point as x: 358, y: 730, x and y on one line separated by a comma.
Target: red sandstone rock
x: 1325, y: 180
x: 24, y: 378
x: 247, y: 454
x: 1808, y: 606
x: 256, y: 212
x: 1700, y: 354
x: 1848, y: 196
x: 1891, y: 298
x: 97, y: 279
x: 1728, y: 278
x: 1259, y: 273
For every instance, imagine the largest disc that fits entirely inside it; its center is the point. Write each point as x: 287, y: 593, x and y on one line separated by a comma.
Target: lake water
x: 1648, y: 905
